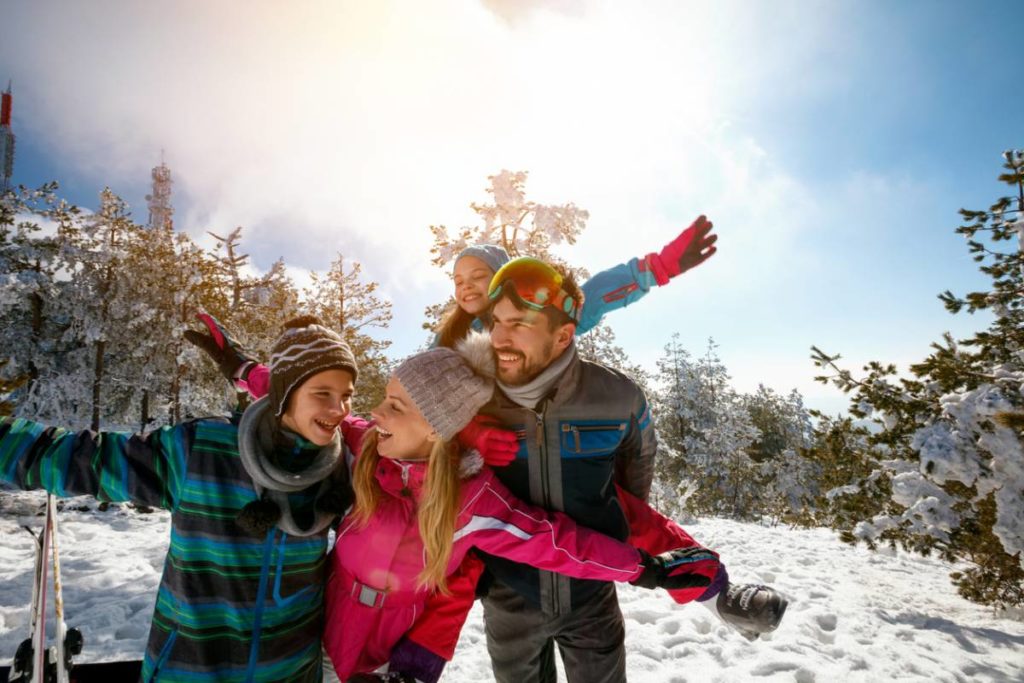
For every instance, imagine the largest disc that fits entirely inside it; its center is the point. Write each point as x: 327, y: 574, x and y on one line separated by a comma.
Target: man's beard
x: 526, y: 370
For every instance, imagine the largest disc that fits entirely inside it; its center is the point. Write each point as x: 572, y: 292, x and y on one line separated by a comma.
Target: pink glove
x: 691, y: 248
x: 498, y: 446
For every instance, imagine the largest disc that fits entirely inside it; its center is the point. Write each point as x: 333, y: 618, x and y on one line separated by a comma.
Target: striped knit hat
x: 305, y: 348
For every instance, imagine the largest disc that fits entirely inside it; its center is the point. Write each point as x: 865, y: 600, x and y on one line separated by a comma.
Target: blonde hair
x: 437, y: 510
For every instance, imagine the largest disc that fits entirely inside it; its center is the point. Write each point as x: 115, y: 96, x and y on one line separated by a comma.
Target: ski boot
x: 750, y: 608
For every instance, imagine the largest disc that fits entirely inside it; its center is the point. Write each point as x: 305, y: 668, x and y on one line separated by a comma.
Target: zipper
x: 261, y: 596
x: 405, y: 479
x: 545, y: 485
x: 576, y: 429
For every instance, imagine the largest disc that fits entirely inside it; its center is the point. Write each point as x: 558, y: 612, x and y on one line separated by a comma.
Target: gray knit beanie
x: 449, y: 386
x: 305, y: 348
x: 491, y: 254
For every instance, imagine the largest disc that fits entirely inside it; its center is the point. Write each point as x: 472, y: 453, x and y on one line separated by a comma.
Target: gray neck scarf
x: 530, y: 394
x: 256, y: 442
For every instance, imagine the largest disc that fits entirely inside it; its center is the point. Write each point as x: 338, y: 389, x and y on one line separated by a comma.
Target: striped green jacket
x: 231, y: 606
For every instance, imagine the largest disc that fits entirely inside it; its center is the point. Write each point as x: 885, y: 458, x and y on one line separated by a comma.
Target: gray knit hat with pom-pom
x: 449, y: 386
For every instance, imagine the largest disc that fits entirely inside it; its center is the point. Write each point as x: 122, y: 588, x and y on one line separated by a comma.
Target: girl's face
x: 472, y: 277
x: 402, y: 431
x: 318, y: 405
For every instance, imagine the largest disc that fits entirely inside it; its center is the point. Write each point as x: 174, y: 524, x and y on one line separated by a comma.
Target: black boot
x: 751, y: 609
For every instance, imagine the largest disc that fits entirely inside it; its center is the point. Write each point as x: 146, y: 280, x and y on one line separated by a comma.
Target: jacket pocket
x: 593, y: 437
x: 285, y: 600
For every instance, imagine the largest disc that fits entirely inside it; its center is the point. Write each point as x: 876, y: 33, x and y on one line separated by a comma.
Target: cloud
x: 515, y: 12
x: 351, y: 126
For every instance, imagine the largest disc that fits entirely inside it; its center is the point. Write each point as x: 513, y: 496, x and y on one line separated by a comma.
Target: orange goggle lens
x: 535, y: 283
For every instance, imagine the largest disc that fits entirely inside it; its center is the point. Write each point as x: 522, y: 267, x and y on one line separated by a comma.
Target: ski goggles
x: 536, y: 284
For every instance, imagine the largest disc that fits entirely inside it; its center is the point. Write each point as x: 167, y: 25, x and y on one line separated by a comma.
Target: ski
x: 33, y: 661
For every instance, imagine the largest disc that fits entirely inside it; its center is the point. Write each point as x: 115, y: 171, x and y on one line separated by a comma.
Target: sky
x: 830, y: 143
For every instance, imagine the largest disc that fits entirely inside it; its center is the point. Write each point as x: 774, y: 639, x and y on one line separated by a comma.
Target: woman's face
x: 402, y: 431
x: 472, y: 277
x: 318, y: 405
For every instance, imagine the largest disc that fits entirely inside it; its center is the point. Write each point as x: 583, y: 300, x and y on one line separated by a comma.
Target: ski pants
x: 521, y: 639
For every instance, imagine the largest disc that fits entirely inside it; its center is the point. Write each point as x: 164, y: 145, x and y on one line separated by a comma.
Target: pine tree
x: 28, y: 262
x: 954, y: 467
x: 704, y: 432
x: 345, y: 303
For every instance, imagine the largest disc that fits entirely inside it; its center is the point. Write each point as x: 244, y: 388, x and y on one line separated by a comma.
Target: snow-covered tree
x: 785, y: 432
x: 30, y: 330
x: 705, y: 433
x: 344, y: 302
x: 956, y: 467
x: 523, y: 227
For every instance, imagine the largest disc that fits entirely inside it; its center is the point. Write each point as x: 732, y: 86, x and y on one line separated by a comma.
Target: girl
x: 241, y: 597
x: 422, y: 502
x: 607, y: 291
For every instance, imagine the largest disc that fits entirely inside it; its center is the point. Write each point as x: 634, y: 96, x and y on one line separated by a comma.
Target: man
x: 584, y: 429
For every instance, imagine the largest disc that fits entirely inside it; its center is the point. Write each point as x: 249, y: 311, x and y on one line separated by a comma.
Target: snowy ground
x: 854, y: 616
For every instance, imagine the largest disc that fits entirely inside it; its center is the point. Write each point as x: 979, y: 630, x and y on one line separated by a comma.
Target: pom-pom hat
x: 305, y: 348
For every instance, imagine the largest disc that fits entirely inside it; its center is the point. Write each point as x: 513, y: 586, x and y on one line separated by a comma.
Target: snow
x: 854, y: 615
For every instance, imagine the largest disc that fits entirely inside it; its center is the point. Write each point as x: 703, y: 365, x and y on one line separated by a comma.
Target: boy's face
x: 318, y: 405
x: 402, y: 431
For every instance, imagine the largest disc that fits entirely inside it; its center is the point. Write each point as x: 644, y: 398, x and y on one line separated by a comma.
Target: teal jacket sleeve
x: 147, y: 469
x: 612, y: 289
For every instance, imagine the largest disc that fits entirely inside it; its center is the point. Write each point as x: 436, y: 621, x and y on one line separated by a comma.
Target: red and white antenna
x: 160, y: 209
x: 6, y: 138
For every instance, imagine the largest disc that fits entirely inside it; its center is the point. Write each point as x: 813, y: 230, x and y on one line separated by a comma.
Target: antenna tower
x: 160, y: 209
x: 6, y: 139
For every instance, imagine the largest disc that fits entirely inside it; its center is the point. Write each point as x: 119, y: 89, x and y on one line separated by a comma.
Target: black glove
x: 676, y: 568
x: 227, y: 353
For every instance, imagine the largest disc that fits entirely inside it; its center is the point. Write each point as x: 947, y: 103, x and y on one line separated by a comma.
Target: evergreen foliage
x: 93, y: 307
x: 954, y: 467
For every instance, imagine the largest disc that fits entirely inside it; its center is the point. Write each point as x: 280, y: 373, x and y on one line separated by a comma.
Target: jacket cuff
x: 657, y: 267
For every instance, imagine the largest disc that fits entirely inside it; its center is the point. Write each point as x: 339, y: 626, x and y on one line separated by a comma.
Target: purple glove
x: 691, y: 248
x: 410, y: 659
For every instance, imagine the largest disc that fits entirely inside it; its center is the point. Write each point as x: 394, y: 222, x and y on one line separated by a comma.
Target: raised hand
x: 226, y: 352
x: 692, y: 247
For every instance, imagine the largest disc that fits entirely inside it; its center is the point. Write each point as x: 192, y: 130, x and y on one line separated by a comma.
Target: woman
x: 422, y: 501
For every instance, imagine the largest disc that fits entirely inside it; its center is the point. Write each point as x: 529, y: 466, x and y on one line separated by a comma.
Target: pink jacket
x: 372, y: 597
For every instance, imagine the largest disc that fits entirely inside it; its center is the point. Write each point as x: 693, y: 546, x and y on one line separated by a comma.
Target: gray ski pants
x: 521, y: 639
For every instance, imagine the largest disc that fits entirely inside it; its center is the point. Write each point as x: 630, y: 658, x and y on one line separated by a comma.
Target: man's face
x: 523, y: 342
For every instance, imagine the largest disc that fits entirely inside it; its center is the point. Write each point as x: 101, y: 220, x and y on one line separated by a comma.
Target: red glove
x: 691, y: 248
x: 498, y: 446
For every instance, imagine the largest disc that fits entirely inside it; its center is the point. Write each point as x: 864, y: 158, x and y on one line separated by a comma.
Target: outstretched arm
x: 148, y: 469
x: 629, y: 282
